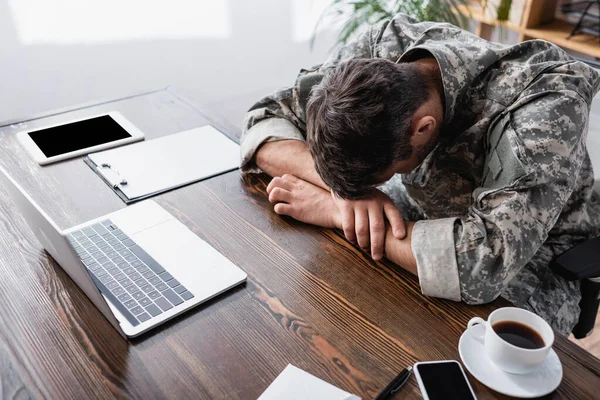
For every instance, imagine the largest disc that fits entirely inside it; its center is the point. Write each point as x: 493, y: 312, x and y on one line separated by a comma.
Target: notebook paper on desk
x: 296, y: 384
x: 148, y: 168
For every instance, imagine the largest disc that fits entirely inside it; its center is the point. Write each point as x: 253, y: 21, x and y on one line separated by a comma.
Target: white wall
x: 259, y: 55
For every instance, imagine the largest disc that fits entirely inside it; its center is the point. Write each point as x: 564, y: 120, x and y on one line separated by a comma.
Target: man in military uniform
x: 489, y: 144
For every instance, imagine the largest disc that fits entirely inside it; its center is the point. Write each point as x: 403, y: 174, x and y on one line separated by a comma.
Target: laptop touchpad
x: 139, y: 217
x: 189, y: 259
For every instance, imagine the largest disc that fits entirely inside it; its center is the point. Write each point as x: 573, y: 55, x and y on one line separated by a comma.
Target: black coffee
x: 519, y: 334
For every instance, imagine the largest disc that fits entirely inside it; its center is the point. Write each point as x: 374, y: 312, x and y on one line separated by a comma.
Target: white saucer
x: 540, y: 382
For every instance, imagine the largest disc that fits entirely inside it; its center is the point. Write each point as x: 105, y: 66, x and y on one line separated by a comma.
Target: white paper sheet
x: 170, y: 161
x: 296, y: 384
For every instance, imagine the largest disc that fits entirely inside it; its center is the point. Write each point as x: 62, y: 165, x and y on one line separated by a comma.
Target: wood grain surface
x: 311, y: 299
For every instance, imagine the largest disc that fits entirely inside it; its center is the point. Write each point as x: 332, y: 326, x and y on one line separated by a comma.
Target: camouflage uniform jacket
x: 509, y: 186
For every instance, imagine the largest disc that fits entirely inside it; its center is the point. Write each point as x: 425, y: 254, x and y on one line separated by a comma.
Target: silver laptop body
x: 140, y: 266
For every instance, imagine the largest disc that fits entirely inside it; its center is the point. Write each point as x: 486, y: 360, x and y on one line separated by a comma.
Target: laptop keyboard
x: 135, y: 283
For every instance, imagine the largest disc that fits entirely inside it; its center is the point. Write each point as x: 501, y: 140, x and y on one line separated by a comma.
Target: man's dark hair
x: 358, y: 122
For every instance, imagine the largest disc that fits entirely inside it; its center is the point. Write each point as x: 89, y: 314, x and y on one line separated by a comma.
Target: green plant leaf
x: 357, y: 13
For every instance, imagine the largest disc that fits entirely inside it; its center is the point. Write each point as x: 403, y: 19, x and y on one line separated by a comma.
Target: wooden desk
x: 311, y: 299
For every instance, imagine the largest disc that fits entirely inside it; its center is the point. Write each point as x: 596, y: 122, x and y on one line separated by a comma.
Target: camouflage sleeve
x: 281, y: 115
x: 533, y: 155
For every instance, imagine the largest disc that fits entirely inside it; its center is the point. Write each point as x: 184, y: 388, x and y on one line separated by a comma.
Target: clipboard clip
x: 119, y: 181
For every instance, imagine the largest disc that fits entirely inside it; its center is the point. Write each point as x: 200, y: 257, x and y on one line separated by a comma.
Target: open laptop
x: 140, y: 266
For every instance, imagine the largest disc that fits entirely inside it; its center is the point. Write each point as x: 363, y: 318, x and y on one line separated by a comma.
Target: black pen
x: 394, y: 385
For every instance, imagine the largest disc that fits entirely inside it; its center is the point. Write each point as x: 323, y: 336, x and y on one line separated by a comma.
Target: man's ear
x: 423, y: 129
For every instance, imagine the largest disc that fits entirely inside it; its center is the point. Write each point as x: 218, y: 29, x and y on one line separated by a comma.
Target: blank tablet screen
x: 78, y: 135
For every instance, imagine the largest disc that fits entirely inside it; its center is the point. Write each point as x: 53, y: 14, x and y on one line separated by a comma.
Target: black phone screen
x: 444, y: 381
x: 78, y: 135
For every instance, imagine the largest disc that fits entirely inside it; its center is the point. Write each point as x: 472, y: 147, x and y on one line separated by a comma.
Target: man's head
x: 369, y: 119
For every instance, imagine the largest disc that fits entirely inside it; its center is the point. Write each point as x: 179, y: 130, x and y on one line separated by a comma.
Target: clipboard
x: 145, y: 169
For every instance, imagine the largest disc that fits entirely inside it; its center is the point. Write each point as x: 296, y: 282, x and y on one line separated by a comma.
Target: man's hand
x: 303, y: 201
x: 308, y: 203
x: 364, y: 221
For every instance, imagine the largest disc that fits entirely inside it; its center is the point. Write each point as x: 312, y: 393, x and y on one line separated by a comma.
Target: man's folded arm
x: 472, y: 258
x: 281, y: 116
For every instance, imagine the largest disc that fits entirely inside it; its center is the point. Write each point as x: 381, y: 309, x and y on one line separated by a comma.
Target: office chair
x: 583, y: 263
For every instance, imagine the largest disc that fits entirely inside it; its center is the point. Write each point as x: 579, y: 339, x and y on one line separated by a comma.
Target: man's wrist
x: 337, y: 219
x: 411, y: 262
x: 400, y: 250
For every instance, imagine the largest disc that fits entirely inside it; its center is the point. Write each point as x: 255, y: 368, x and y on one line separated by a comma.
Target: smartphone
x: 78, y: 137
x: 443, y: 380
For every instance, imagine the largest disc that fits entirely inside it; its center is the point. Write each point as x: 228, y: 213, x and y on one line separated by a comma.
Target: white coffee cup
x: 506, y: 356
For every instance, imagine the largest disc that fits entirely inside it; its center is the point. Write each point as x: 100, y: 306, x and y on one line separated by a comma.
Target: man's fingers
x: 361, y: 217
x: 348, y: 224
x: 377, y: 226
x: 279, y: 195
x: 290, y: 178
x: 396, y: 221
x: 274, y: 183
x: 283, y: 209
x: 279, y: 182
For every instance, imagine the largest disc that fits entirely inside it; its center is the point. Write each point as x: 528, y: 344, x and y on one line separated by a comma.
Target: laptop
x: 140, y: 266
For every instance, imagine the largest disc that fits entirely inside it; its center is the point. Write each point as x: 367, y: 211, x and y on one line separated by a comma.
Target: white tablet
x: 78, y: 137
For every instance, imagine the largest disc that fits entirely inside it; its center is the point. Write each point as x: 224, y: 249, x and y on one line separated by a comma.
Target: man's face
x: 401, y: 167
x: 420, y: 151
